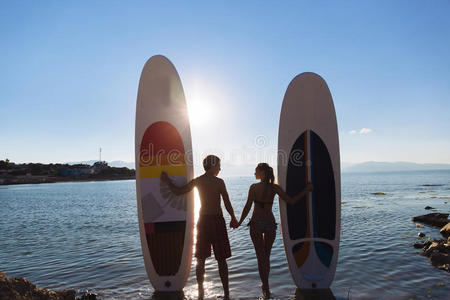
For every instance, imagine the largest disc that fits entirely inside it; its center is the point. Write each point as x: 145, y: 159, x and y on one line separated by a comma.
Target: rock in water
x: 22, y: 289
x: 439, y: 253
x: 419, y: 245
x: 434, y: 247
x: 439, y: 259
x: 88, y: 296
x: 445, y: 231
x: 445, y: 267
x: 433, y: 219
x: 429, y: 207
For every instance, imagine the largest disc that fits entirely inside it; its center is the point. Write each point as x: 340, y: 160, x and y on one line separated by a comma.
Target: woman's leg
x: 269, y: 238
x: 258, y: 243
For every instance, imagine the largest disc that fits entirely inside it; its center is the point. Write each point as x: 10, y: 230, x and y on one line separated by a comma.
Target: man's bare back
x: 210, y: 188
x: 211, y: 228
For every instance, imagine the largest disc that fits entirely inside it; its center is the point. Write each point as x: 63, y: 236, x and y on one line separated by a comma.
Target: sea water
x: 85, y: 236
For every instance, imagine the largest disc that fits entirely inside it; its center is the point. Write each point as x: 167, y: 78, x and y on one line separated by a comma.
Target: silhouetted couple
x: 211, y: 228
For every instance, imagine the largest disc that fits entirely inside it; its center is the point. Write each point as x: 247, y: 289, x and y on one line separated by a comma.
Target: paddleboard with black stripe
x: 308, y: 148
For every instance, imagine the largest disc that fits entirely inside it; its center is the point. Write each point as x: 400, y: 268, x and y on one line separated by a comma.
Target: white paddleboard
x: 308, y: 148
x: 163, y: 143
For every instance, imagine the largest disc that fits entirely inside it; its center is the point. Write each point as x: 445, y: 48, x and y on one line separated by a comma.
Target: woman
x: 262, y: 223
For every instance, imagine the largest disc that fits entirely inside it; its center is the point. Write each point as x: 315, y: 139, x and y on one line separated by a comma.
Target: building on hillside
x: 100, y: 165
x: 77, y: 170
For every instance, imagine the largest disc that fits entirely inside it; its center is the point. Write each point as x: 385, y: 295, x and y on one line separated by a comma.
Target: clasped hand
x: 234, y: 223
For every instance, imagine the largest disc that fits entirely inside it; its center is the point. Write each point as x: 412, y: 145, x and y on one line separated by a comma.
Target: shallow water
x: 84, y: 236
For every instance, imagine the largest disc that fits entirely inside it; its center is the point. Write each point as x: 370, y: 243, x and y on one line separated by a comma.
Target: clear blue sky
x: 69, y: 74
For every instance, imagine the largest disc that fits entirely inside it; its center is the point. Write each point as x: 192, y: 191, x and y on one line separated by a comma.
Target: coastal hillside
x: 12, y: 173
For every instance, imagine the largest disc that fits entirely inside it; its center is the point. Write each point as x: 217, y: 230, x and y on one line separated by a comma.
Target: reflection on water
x: 314, y: 294
x: 85, y: 236
x: 299, y: 294
x: 168, y: 295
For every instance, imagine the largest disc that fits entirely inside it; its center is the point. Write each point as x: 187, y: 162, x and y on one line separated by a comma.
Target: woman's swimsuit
x: 260, y: 225
x: 263, y: 226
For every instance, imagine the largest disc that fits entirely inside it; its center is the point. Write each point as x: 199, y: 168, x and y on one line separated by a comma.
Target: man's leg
x: 200, y: 273
x: 223, y: 271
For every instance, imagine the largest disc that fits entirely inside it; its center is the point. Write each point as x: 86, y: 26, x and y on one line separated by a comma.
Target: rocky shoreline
x: 437, y: 250
x: 21, y: 289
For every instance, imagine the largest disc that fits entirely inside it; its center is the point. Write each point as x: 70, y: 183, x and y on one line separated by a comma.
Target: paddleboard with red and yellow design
x: 163, y: 143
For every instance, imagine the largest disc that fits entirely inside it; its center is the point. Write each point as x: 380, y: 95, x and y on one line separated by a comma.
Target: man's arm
x: 177, y: 190
x: 227, y: 203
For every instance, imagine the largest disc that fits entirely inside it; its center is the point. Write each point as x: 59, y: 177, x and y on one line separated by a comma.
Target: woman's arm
x: 248, y: 205
x: 292, y: 200
x: 177, y: 190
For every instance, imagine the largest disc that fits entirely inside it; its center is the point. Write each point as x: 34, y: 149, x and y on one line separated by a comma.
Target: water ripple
x: 85, y: 236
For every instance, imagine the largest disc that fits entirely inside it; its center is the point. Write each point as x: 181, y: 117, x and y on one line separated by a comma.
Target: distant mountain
x: 345, y: 165
x: 121, y: 164
x: 115, y: 163
x: 248, y: 170
x: 84, y: 162
x: 375, y: 166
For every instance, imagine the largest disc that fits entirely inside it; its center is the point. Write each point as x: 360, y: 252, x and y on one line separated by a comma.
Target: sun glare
x: 199, y: 112
x: 197, y: 205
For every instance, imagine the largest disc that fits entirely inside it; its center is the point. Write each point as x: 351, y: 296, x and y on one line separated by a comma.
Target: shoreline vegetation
x: 33, y: 173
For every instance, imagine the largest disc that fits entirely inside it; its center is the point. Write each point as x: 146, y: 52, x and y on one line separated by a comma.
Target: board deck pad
x: 324, y: 194
x: 323, y: 198
x: 164, y: 238
x: 165, y: 242
x: 297, y: 177
x: 324, y: 252
x: 163, y: 143
x: 308, y: 132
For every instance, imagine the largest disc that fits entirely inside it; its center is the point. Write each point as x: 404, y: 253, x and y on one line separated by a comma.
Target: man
x: 211, y: 229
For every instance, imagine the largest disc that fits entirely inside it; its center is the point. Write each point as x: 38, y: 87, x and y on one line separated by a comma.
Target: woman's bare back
x: 263, y: 196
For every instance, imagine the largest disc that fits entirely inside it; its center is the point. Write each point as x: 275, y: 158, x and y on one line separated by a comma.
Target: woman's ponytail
x: 269, y: 174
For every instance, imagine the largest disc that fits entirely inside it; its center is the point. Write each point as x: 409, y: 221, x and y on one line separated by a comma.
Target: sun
x: 199, y: 112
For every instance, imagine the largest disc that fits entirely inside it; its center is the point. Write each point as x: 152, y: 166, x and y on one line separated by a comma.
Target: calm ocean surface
x: 85, y: 236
